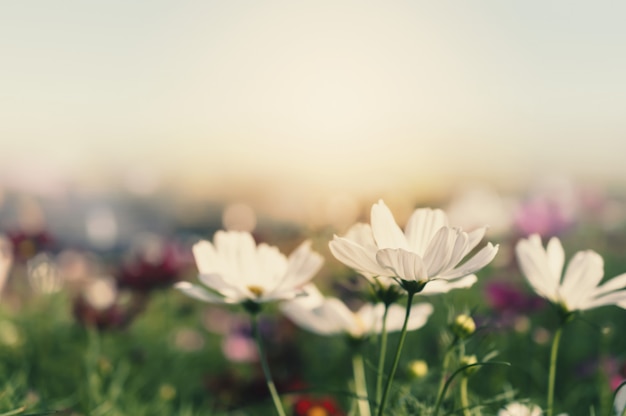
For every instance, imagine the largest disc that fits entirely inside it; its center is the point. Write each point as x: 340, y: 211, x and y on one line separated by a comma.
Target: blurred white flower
x: 579, y: 288
x: 619, y: 403
x: 6, y: 260
x: 476, y: 205
x: 330, y: 316
x: 428, y: 251
x: 101, y: 293
x: 43, y: 274
x: 233, y: 269
x: 519, y: 409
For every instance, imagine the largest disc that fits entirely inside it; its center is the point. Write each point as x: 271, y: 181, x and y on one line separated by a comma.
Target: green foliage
x: 50, y: 364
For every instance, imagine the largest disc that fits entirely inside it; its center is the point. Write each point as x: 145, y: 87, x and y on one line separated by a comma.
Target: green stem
x: 266, y: 370
x: 444, y: 372
x: 360, y: 385
x: 381, y: 358
x: 396, y: 360
x: 15, y: 412
x: 604, y: 384
x: 552, y: 376
x: 92, y: 355
x: 464, y: 398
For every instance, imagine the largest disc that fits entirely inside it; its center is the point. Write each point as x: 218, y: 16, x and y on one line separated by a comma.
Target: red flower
x: 153, y: 264
x: 323, y: 406
x: 27, y: 244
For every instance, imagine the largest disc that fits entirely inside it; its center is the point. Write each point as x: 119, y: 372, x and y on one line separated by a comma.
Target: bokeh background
x: 286, y: 105
x: 129, y: 130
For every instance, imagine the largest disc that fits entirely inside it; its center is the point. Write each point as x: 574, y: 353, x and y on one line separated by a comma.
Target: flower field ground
x: 106, y: 333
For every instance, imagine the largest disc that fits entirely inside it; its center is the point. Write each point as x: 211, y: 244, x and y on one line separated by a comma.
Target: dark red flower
x: 322, y: 406
x: 152, y: 264
x: 109, y: 318
x: 100, y: 305
x: 26, y: 244
x: 507, y: 298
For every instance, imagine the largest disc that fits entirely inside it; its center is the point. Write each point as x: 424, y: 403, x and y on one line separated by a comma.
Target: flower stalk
x: 381, y: 358
x: 266, y: 370
x: 396, y: 360
x: 464, y: 396
x: 360, y: 384
x: 444, y: 370
x: 552, y: 376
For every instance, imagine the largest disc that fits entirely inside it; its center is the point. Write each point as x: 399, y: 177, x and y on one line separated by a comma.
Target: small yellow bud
x: 463, y: 326
x: 167, y: 392
x: 418, y: 369
x: 469, y: 360
x: 104, y: 365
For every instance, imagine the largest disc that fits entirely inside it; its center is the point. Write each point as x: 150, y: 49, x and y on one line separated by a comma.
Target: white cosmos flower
x: 428, y: 251
x: 519, y: 409
x: 235, y: 270
x: 579, y: 288
x: 330, y: 316
x: 619, y: 402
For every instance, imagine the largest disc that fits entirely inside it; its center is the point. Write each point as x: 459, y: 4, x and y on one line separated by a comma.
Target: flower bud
x: 418, y: 369
x: 469, y: 360
x: 463, y: 326
x: 167, y: 392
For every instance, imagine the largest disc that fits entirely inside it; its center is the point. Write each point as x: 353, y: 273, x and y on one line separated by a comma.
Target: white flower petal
x: 238, y: 251
x: 362, y: 234
x: 357, y: 257
x: 556, y: 256
x: 619, y: 403
x: 312, y: 297
x: 474, y: 238
x: 200, y: 293
x: 436, y: 287
x: 309, y: 319
x: 368, y: 318
x: 475, y: 263
x: 420, y: 312
x: 613, y: 298
x: 404, y: 264
x: 302, y: 265
x: 422, y: 226
x: 439, y: 251
x: 337, y: 312
x: 533, y: 261
x: 459, y: 250
x: 616, y: 283
x: 519, y: 409
x: 216, y: 282
x: 206, y: 257
x: 386, y: 231
x: 584, y: 272
x: 271, y: 267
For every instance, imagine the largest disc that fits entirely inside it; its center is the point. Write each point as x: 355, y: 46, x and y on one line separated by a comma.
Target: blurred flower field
x: 92, y: 322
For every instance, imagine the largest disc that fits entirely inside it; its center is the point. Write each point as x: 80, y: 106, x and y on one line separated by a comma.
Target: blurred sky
x: 321, y: 95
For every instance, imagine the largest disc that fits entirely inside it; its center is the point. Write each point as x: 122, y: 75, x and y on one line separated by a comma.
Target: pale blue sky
x: 326, y: 93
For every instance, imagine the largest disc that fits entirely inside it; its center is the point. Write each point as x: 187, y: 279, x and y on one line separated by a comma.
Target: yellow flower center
x: 27, y: 248
x: 317, y: 411
x: 256, y: 290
